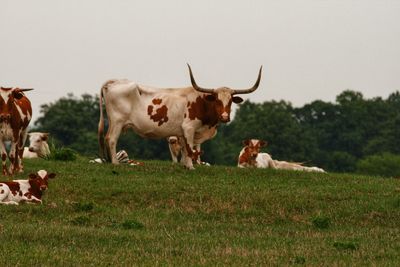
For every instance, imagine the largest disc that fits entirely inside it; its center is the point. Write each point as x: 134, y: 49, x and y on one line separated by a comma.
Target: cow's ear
x: 45, y: 136
x: 246, y: 142
x: 263, y: 143
x: 211, y: 97
x: 17, y: 94
x: 51, y: 175
x: 32, y: 176
x: 237, y: 99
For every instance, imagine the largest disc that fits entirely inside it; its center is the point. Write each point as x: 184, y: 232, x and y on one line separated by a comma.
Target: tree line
x: 342, y: 136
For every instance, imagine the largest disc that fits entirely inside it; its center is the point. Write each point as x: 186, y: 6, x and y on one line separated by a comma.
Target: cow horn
x: 26, y: 89
x: 252, y: 89
x: 195, y: 86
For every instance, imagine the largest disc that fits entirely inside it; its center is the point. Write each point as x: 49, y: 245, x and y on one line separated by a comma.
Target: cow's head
x: 36, y: 141
x: 224, y: 96
x: 8, y: 97
x: 41, y: 179
x: 253, y: 146
x: 172, y: 140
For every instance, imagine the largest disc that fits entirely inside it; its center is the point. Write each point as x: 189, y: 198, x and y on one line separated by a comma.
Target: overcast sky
x: 310, y: 49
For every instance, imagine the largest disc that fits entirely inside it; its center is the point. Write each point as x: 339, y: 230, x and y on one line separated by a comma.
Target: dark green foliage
x: 385, y: 164
x: 299, y: 260
x: 131, y: 225
x: 81, y: 220
x: 63, y: 154
x: 346, y: 245
x: 321, y: 222
x: 83, y: 207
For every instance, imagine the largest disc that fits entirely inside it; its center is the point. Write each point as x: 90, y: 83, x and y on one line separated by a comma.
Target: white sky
x: 310, y: 49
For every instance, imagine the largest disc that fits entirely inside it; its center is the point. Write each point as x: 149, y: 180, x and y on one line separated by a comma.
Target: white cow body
x: 38, y: 146
x: 192, y: 113
x: 264, y: 160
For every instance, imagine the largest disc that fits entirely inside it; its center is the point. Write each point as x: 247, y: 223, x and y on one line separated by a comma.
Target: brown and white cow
x: 176, y: 146
x: 31, y: 190
x: 15, y: 115
x: 250, y: 156
x: 38, y: 146
x: 192, y: 113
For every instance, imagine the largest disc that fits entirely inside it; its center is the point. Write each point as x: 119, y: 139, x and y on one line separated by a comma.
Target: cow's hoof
x: 189, y: 167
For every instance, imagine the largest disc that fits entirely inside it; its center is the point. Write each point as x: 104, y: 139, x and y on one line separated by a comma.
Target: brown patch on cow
x: 35, y: 190
x: 4, y: 157
x: 14, y: 187
x: 204, y: 110
x: 150, y: 110
x: 251, y: 150
x: 246, y: 158
x: 160, y: 115
x: 157, y: 101
x: 2, y: 191
x: 189, y: 151
x: 196, y: 155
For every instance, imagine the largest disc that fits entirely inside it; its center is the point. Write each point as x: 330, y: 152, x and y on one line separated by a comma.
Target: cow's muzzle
x: 224, y: 117
x: 5, y: 117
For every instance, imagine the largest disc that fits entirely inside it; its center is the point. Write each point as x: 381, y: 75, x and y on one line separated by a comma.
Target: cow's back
x: 264, y: 160
x: 150, y: 112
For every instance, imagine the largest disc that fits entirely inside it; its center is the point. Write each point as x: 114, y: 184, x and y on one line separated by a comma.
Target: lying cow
x: 31, y: 190
x: 38, y: 146
x: 176, y: 144
x: 250, y: 156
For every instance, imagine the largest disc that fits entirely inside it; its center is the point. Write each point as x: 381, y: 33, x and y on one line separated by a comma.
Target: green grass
x: 161, y: 214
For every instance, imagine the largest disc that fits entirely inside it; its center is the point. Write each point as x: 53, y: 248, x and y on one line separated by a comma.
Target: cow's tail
x: 103, y: 151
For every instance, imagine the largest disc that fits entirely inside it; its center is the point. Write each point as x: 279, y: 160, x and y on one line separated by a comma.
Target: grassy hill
x: 161, y: 214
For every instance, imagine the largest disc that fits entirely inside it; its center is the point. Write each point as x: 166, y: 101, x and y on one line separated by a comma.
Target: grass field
x: 161, y: 214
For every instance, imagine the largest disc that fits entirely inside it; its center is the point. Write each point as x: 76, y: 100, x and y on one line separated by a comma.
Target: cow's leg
x: 20, y: 147
x: 13, y: 156
x: 198, y: 149
x: 3, y: 157
x: 187, y: 154
x: 173, y: 156
x: 114, y: 130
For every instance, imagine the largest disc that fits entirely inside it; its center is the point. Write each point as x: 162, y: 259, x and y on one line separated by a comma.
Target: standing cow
x: 15, y: 115
x: 192, y: 113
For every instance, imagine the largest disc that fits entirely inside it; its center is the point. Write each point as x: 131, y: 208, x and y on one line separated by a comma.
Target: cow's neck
x: 203, y: 110
x: 34, y: 189
x: 245, y: 157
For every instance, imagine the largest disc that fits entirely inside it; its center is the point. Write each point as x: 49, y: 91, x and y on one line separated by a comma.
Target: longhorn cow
x: 192, y: 113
